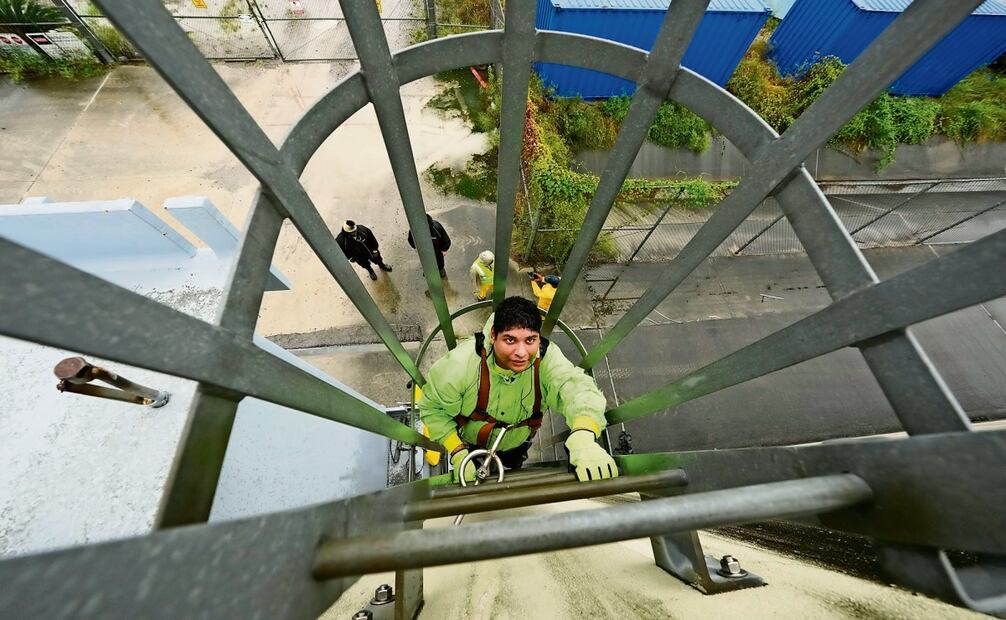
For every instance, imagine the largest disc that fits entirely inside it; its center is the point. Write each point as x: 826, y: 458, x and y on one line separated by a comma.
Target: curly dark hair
x: 516, y: 312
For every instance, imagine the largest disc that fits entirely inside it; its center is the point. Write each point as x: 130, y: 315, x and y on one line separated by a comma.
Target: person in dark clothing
x: 441, y: 242
x: 360, y: 246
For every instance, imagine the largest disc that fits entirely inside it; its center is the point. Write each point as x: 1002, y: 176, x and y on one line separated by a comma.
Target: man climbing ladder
x: 476, y: 389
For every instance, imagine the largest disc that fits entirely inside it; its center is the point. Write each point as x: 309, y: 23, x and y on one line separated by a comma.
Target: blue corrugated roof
x: 989, y: 7
x: 728, y: 6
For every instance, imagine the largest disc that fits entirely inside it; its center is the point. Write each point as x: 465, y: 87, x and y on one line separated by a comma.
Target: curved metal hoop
x: 921, y: 492
x: 577, y: 343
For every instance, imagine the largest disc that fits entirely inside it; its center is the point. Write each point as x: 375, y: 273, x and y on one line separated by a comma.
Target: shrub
x: 28, y: 12
x: 616, y: 107
x: 758, y: 84
x: 584, y: 126
x: 21, y: 65
x: 914, y: 118
x: 111, y: 38
x: 973, y: 110
x: 230, y: 13
x: 461, y: 12
x: 676, y: 127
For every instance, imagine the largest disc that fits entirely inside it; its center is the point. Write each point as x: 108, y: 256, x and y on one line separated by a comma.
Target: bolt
x: 72, y: 369
x: 730, y: 567
x: 363, y: 614
x: 383, y: 595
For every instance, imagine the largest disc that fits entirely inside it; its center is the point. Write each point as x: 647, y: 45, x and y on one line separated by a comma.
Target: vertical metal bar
x: 154, y: 32
x: 958, y: 223
x: 195, y: 470
x: 263, y: 25
x: 431, y: 19
x: 902, y: 43
x: 917, y: 393
x: 382, y: 82
x: 896, y: 207
x: 874, y: 313
x: 758, y: 234
x: 199, y: 459
x: 518, y: 51
x: 662, y: 66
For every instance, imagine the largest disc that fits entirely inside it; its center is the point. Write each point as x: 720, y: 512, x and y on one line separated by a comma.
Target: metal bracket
x: 409, y: 590
x: 681, y: 555
x: 979, y: 587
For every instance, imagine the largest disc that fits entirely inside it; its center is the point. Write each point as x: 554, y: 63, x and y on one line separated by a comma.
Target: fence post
x: 263, y: 25
x: 495, y: 15
x: 758, y: 234
x: 431, y: 19
x: 104, y: 55
x: 535, y: 219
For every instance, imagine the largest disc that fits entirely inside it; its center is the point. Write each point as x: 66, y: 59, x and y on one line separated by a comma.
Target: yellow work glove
x: 588, y: 458
x: 456, y: 464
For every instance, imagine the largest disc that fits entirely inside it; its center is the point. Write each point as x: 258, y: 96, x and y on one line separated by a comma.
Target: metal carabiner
x: 482, y: 473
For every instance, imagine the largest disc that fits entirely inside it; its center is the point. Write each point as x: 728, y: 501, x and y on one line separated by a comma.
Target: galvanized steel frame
x: 876, y: 488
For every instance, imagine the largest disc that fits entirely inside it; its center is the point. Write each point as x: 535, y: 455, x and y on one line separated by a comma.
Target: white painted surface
x: 97, y: 236
x: 780, y: 7
x: 77, y: 469
x: 199, y: 215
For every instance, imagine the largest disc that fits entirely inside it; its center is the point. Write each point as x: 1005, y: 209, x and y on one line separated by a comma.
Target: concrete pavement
x: 128, y: 135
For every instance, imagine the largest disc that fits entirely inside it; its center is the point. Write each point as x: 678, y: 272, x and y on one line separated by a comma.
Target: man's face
x: 515, y: 348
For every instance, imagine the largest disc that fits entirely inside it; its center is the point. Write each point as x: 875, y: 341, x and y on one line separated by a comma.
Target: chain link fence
x: 875, y: 213
x: 316, y: 30
x: 263, y: 29
x: 291, y: 30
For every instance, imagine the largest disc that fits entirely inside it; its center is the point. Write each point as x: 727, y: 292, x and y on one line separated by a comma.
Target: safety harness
x: 479, y: 414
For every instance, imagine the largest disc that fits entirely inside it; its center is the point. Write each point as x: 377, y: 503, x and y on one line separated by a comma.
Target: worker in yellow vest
x: 544, y: 288
x: 482, y: 271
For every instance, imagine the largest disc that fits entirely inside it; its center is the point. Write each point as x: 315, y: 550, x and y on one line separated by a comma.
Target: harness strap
x: 481, y: 414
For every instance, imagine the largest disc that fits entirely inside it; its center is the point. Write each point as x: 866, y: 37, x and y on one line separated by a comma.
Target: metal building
x: 724, y: 35
x: 814, y: 29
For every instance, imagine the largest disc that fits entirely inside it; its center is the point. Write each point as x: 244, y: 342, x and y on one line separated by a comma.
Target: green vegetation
x: 230, y: 13
x: 21, y: 65
x: 28, y: 12
x: 555, y: 129
x: 113, y: 40
x: 972, y: 111
x: 461, y: 16
x: 975, y: 109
